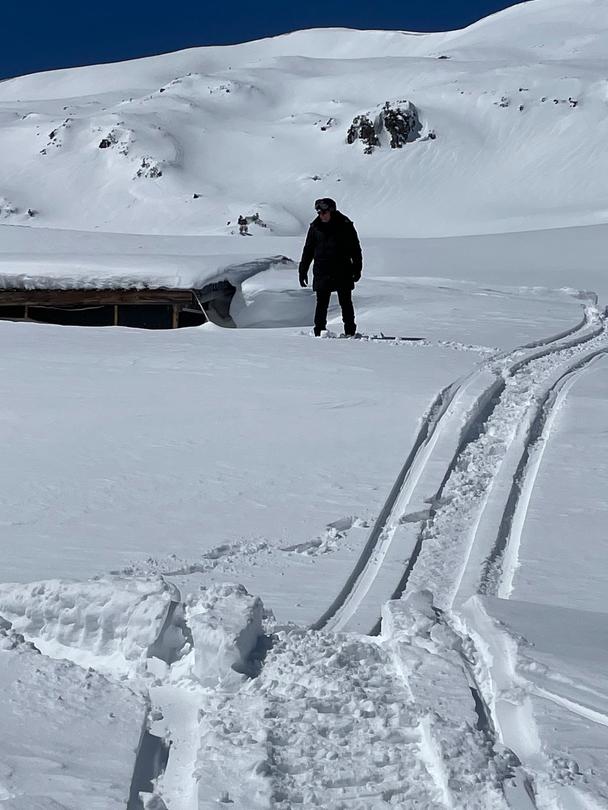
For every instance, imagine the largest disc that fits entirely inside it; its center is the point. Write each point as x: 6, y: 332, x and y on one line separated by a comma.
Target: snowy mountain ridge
x: 512, y: 125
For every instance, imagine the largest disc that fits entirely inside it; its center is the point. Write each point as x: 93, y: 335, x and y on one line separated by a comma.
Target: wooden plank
x: 84, y: 298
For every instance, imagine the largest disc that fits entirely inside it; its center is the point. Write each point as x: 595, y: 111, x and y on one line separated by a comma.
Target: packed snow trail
x: 473, y: 530
x: 346, y: 721
x: 340, y: 728
x: 502, y: 563
x: 465, y: 417
x: 457, y: 545
x: 461, y: 532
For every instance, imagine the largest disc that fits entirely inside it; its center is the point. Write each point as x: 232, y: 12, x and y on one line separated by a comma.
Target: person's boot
x: 350, y: 330
x: 317, y: 331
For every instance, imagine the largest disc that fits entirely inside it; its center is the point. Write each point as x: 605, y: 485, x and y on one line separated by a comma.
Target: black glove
x: 356, y: 275
x: 303, y: 279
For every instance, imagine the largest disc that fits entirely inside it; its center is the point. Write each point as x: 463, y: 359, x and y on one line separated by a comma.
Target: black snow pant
x: 345, y: 297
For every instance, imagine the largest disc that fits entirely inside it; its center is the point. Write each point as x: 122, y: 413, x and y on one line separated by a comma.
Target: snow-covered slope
x: 447, y: 493
x: 517, y: 103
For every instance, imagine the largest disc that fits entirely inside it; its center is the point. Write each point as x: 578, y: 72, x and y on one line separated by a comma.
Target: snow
x: 244, y: 566
x: 560, y: 505
x: 226, y: 626
x: 106, y: 623
x: 69, y: 735
x: 241, y: 127
x: 545, y: 668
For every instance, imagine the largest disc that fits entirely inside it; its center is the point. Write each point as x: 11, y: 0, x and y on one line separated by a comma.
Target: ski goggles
x: 324, y: 205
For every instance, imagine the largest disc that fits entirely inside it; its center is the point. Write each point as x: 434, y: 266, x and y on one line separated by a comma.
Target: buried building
x: 144, y: 308
x: 147, y: 308
x: 140, y: 302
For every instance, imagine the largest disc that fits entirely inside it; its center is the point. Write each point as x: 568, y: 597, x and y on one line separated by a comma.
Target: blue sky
x: 42, y: 35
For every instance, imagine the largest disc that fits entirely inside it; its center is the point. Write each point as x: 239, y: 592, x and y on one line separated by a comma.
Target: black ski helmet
x: 325, y: 204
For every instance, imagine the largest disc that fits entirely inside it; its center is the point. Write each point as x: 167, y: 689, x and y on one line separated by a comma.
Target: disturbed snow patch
x: 459, y: 749
x: 69, y: 736
x: 175, y: 655
x: 106, y: 623
x: 226, y: 626
x: 331, y: 539
x: 339, y: 721
x: 330, y: 721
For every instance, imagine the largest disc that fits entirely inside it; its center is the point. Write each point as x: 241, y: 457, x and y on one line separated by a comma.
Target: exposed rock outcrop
x: 118, y: 137
x: 398, y: 121
x: 56, y: 136
x: 364, y: 130
x: 149, y: 168
x: 401, y: 122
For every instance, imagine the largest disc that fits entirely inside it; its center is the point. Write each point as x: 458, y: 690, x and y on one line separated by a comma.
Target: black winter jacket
x: 334, y: 247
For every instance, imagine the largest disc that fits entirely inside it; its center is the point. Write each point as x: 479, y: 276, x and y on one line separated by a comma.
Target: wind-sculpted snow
x: 107, y: 623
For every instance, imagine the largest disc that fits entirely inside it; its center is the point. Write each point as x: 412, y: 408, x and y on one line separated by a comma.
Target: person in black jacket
x: 333, y: 244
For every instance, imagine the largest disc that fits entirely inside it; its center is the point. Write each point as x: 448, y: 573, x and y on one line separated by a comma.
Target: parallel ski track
x: 543, y: 407
x: 494, y: 578
x: 370, y: 561
x: 425, y: 434
x: 497, y: 577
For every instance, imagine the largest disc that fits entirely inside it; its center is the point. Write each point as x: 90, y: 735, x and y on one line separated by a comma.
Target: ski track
x: 485, y: 415
x: 347, y: 721
x: 509, y: 539
x: 344, y: 733
x: 326, y: 717
x: 514, y: 419
x: 413, y: 717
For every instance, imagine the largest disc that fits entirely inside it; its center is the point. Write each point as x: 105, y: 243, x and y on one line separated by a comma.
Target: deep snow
x: 201, y: 528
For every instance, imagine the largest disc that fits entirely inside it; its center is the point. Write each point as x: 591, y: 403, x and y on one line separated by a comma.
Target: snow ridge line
x: 478, y: 418
x: 497, y: 579
x: 572, y: 706
x: 360, y: 581
x: 520, y: 790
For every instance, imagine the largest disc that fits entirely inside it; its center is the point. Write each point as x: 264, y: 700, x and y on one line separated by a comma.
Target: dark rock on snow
x: 362, y: 129
x: 399, y: 120
x: 401, y: 123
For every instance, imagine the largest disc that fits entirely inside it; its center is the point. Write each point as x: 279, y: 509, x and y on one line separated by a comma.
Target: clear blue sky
x: 42, y: 34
